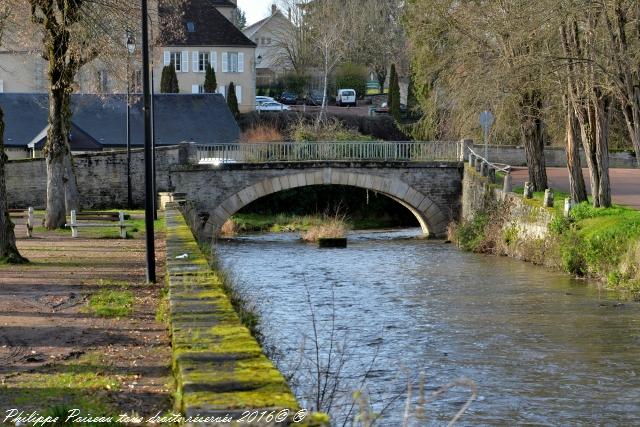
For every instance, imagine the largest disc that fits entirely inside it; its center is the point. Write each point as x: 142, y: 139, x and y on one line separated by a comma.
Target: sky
x: 255, y: 9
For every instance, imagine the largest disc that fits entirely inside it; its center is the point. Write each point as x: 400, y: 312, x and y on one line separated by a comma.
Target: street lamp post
x: 148, y: 160
x: 131, y: 47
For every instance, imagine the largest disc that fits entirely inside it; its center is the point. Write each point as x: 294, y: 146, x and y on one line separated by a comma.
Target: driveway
x: 625, y: 183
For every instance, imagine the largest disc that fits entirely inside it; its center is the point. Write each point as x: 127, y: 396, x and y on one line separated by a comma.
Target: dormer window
x: 191, y: 27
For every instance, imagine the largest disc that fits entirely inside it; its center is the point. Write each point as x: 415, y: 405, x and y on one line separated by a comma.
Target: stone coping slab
x: 218, y: 365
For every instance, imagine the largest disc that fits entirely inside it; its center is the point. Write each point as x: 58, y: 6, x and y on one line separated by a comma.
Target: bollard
x: 478, y: 164
x: 548, y: 198
x: 528, y: 190
x: 30, y: 222
x: 568, y: 205
x: 123, y: 227
x: 508, y: 182
x: 484, y: 168
x: 492, y: 175
x: 74, y: 223
x: 471, y: 160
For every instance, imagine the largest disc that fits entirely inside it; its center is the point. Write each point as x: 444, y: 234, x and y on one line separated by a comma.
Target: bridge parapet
x: 412, y: 151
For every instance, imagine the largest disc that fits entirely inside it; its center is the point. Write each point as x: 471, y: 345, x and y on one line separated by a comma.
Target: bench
x: 100, y: 219
x: 22, y: 214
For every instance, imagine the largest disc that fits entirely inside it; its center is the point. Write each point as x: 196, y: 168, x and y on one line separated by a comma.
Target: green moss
x: 111, y: 303
x: 269, y: 396
x: 85, y: 384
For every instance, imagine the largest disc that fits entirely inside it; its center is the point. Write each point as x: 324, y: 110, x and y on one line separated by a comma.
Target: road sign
x: 486, y: 120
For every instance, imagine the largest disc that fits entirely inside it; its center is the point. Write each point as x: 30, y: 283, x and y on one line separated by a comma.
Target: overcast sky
x: 255, y: 9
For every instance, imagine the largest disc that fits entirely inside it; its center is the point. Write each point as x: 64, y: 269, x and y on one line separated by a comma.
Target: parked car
x: 263, y: 99
x: 384, y: 109
x: 289, y: 98
x: 272, y: 106
x: 315, y: 97
x: 346, y: 97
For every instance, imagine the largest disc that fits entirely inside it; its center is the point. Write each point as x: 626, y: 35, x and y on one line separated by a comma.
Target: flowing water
x: 543, y: 349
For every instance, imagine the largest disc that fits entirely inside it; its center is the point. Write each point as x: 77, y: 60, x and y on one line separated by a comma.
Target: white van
x: 346, y: 97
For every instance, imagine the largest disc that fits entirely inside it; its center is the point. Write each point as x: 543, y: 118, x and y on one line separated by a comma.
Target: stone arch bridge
x: 217, y: 184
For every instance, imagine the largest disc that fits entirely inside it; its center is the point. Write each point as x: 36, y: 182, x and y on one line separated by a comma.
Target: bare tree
x: 478, y: 55
x: 8, y: 249
x: 328, y: 24
x: 72, y: 34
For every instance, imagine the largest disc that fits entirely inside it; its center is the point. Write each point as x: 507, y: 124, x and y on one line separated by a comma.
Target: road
x: 332, y: 109
x: 625, y: 183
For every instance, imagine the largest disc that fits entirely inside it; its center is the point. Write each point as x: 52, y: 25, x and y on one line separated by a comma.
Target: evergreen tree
x: 232, y: 100
x: 169, y: 80
x: 239, y: 18
x: 392, y: 75
x: 210, y: 84
x: 393, y: 100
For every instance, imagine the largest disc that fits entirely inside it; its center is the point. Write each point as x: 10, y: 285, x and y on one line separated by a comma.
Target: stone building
x: 270, y: 36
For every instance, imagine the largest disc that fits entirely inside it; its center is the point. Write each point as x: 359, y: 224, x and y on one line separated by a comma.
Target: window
x: 203, y: 61
x: 176, y: 59
x: 197, y: 89
x: 268, y: 40
x: 191, y: 27
x: 233, y: 62
x: 263, y: 40
x: 1, y: 86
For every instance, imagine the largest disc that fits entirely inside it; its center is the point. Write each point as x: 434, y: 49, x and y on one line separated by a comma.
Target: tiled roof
x: 205, y: 119
x: 211, y: 27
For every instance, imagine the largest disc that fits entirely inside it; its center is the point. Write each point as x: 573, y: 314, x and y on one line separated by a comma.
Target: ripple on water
x: 539, y: 345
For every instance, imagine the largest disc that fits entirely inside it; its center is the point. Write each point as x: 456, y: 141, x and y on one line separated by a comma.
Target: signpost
x: 486, y: 121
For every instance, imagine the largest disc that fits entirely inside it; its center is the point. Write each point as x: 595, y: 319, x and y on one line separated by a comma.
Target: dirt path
x: 55, y: 350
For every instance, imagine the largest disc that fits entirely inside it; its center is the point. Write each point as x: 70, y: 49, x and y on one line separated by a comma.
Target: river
x: 542, y: 348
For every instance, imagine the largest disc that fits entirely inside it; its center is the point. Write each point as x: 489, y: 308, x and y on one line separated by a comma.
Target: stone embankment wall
x: 554, y: 156
x: 219, y: 367
x: 102, y: 178
x: 511, y: 225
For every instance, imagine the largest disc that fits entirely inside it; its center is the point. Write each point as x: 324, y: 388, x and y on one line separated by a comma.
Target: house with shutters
x: 195, y: 33
x: 270, y: 35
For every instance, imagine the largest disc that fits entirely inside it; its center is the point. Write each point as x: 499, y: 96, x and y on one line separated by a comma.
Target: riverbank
x: 284, y: 223
x: 599, y: 244
x: 81, y: 328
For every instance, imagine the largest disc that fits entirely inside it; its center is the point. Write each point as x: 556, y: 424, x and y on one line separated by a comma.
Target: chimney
x: 274, y: 9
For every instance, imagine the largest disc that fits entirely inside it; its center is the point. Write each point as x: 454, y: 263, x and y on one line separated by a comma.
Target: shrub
x: 394, y: 94
x: 331, y: 228
x: 295, y: 82
x: 352, y: 76
x: 470, y: 234
x: 232, y: 100
x: 169, y: 80
x: 262, y: 133
x: 210, y: 83
x: 331, y: 130
x: 380, y: 127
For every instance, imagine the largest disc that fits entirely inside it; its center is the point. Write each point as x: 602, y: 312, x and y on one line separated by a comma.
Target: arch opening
x: 429, y: 215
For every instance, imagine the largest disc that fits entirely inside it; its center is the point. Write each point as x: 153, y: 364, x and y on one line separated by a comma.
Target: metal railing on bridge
x: 331, y: 151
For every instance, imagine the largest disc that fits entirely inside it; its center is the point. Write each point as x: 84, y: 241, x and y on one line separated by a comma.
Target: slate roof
x: 79, y: 140
x: 205, y: 119
x: 211, y: 27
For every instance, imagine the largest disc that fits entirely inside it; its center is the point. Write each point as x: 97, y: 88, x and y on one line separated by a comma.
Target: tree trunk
x: 8, y: 249
x: 71, y: 194
x: 533, y: 138
x: 577, y: 187
x: 55, y: 151
x: 603, y: 114
x: 632, y: 119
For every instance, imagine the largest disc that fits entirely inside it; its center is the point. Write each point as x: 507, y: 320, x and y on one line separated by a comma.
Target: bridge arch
x: 432, y: 219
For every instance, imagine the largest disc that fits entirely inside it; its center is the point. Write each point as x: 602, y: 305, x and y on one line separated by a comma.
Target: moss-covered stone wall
x: 219, y: 367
